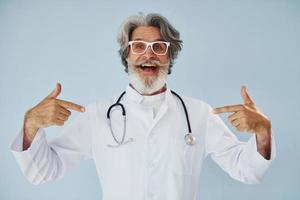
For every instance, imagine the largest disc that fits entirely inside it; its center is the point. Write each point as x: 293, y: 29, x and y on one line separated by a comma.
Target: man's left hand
x: 247, y: 117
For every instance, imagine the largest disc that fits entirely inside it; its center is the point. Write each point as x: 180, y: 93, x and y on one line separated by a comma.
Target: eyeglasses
x: 140, y: 47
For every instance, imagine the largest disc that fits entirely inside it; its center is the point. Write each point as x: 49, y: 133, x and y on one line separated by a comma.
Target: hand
x: 50, y: 111
x: 246, y: 117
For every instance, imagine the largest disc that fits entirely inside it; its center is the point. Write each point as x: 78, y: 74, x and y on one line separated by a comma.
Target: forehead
x: 146, y: 33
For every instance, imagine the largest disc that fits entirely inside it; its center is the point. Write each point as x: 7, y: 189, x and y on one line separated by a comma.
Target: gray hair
x: 167, y: 31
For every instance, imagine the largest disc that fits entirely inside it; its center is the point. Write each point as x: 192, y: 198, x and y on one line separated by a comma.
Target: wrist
x: 263, y: 135
x: 28, y: 136
x: 264, y: 130
x: 29, y: 128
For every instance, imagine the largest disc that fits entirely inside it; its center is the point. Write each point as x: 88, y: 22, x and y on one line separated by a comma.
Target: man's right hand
x: 50, y: 111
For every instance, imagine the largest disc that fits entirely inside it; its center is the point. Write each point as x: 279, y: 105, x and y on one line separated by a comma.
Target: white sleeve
x: 240, y: 160
x: 47, y: 161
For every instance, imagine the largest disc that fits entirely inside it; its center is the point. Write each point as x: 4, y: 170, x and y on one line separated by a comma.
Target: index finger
x: 71, y: 105
x: 231, y: 108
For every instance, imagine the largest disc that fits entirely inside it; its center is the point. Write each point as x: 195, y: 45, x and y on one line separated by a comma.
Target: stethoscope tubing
x: 189, y: 138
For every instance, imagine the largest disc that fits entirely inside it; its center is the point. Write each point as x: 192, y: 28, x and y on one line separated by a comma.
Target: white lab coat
x: 157, y: 164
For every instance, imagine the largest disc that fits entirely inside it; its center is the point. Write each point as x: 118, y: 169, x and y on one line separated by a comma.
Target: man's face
x: 147, y: 71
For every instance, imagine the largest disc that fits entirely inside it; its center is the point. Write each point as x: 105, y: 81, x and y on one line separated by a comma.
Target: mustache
x: 155, y: 63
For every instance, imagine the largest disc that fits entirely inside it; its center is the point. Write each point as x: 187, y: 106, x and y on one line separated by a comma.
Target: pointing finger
x: 71, y: 105
x: 225, y: 109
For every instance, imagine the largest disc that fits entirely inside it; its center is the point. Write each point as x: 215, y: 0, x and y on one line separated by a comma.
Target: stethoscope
x: 189, y: 138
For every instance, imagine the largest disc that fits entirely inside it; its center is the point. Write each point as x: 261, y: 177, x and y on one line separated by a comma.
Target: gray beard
x: 149, y: 84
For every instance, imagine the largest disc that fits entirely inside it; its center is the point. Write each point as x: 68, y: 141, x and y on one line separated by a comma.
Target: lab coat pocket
x: 182, y: 157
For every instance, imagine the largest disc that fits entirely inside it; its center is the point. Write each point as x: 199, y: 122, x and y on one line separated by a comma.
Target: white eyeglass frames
x: 140, y: 47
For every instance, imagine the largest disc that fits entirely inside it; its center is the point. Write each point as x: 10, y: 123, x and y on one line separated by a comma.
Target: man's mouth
x: 148, y: 68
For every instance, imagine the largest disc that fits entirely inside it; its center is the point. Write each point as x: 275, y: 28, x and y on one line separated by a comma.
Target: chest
x: 156, y: 140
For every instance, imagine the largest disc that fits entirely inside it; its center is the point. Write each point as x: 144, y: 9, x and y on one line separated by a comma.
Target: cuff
x: 17, y: 145
x: 25, y: 159
x: 256, y: 162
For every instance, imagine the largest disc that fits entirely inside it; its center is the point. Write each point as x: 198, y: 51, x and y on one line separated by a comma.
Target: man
x: 151, y: 143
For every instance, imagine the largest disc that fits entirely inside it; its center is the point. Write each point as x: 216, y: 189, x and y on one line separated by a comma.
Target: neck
x: 163, y: 89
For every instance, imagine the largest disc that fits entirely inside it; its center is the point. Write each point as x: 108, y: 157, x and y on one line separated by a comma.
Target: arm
x: 247, y: 117
x: 241, y: 160
x: 50, y: 111
x: 249, y: 161
x: 264, y: 142
x: 40, y: 160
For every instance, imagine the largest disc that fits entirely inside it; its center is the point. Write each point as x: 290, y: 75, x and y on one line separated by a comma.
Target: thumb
x: 55, y: 92
x: 247, y: 99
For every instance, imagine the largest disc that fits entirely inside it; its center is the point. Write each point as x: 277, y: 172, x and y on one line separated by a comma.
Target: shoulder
x: 195, y: 106
x: 196, y: 103
x: 98, y: 108
x: 95, y: 107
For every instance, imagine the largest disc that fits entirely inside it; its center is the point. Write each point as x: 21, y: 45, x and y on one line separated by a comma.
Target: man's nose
x: 149, y: 53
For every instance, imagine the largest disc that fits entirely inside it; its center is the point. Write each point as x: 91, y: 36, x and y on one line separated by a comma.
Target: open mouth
x: 150, y: 68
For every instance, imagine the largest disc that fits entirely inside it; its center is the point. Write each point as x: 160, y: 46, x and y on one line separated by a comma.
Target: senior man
x: 149, y: 142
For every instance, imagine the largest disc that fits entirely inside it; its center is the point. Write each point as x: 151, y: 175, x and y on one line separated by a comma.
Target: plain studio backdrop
x: 226, y: 44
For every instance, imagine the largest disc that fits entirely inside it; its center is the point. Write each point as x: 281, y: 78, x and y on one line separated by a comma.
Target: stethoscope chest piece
x: 190, y: 139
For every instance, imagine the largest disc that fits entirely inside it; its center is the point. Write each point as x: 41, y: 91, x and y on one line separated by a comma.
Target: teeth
x: 148, y: 65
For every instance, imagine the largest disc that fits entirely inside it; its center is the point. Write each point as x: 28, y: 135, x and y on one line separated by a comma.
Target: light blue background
x: 226, y: 44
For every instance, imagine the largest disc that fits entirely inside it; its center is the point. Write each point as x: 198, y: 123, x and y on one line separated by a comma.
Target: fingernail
x: 82, y: 109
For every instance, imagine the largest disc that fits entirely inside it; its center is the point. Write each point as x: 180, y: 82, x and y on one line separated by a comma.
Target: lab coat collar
x: 168, y: 102
x: 133, y: 95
